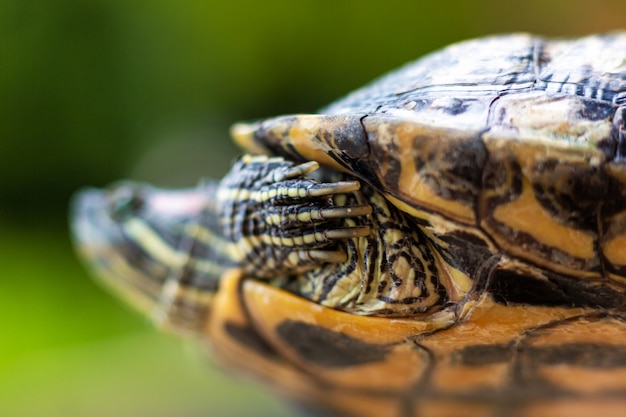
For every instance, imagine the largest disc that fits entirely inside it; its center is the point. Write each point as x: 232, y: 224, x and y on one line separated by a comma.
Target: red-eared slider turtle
x: 460, y: 252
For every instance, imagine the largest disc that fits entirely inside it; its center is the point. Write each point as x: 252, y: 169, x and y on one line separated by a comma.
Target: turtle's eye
x: 125, y: 202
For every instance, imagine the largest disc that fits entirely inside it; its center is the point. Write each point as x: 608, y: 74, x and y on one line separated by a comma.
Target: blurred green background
x: 96, y: 90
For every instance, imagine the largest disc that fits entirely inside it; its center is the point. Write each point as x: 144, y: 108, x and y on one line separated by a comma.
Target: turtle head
x: 136, y: 239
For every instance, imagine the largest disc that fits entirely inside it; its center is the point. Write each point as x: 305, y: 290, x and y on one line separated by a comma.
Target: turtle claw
x: 304, y: 260
x: 296, y: 190
x: 347, y: 232
x: 327, y: 256
x: 327, y: 189
x: 345, y: 212
x: 299, y: 215
x: 296, y: 171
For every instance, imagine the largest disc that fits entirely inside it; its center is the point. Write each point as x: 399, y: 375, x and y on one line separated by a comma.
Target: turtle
x: 449, y: 240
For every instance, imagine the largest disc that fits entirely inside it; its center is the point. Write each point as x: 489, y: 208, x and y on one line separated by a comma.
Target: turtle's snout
x: 134, y: 237
x: 97, y: 222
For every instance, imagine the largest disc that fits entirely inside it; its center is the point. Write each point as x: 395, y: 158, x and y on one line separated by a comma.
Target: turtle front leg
x: 280, y: 222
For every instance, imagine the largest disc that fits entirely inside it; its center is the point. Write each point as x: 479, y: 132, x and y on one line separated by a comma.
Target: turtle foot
x: 283, y: 222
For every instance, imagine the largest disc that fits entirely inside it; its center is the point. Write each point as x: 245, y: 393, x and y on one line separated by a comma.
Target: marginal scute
x: 281, y: 317
x: 426, y: 166
x: 330, y: 140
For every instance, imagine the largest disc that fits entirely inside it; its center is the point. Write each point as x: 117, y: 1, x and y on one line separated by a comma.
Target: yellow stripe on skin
x: 207, y: 237
x: 154, y: 245
x: 239, y: 251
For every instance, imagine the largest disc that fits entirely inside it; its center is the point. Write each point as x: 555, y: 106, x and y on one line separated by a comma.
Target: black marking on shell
x: 328, y: 348
x: 270, y: 140
x: 481, y: 355
x: 512, y: 287
x: 246, y: 336
x: 570, y: 194
x: 392, y: 173
x: 496, y: 176
x: 590, y: 355
x: 350, y: 138
x: 459, y: 237
x: 586, y: 292
x: 457, y: 169
x: 360, y: 167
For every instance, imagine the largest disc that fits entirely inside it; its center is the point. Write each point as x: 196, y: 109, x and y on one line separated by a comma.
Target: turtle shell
x: 510, y: 143
x: 508, y: 154
x: 514, y: 141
